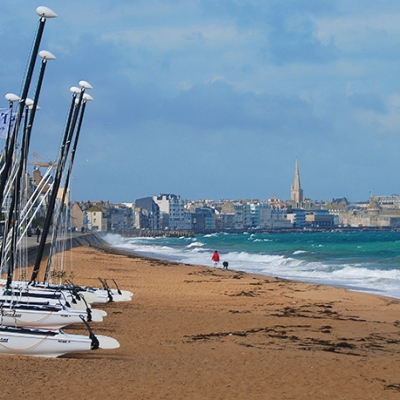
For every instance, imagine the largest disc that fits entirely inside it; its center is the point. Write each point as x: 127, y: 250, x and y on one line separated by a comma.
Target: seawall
x: 86, y: 239
x: 79, y: 240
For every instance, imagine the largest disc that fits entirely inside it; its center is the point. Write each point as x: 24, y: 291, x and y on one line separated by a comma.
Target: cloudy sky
x: 217, y: 98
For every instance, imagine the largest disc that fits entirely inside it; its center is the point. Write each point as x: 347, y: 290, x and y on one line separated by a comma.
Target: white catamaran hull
x: 91, y: 295
x: 102, y: 296
x: 47, y: 343
x: 44, y: 318
x: 44, y: 296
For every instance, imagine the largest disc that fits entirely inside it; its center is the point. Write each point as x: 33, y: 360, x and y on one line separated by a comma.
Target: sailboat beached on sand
x: 32, y: 313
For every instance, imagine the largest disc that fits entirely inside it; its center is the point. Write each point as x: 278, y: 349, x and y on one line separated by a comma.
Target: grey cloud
x: 217, y: 105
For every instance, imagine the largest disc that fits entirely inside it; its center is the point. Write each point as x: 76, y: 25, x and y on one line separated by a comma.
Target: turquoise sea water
x: 363, y: 261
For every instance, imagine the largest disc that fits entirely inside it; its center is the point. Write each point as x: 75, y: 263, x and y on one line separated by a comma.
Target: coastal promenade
x: 65, y: 242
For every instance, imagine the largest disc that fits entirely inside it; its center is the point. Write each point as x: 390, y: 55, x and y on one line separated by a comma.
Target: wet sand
x: 202, y: 333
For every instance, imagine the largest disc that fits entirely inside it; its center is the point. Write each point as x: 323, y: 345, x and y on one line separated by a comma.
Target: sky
x: 216, y: 99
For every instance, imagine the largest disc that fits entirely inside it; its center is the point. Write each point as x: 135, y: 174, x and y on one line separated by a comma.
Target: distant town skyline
x: 217, y: 99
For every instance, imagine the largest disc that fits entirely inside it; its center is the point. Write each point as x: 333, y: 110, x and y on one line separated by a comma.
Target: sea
x: 365, y: 261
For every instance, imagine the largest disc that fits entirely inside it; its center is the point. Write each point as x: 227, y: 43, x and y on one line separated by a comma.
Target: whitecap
x: 195, y: 244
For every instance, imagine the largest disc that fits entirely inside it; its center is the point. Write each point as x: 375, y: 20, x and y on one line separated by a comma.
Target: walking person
x: 215, y: 258
x: 38, y: 232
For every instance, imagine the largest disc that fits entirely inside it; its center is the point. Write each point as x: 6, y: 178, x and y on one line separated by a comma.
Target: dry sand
x: 203, y: 333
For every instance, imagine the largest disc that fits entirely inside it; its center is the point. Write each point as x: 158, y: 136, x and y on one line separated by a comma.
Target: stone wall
x: 88, y: 239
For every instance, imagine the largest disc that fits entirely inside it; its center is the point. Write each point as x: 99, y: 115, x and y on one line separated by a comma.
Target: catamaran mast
x: 44, y: 13
x: 86, y: 98
x: 68, y: 135
x: 26, y: 137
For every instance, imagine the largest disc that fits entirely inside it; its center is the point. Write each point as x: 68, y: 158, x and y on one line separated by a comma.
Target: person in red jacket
x: 215, y: 258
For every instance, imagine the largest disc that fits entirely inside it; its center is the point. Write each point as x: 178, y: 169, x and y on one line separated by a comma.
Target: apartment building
x: 172, y: 210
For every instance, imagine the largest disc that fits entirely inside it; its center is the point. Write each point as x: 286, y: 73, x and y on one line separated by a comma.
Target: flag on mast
x: 5, y: 122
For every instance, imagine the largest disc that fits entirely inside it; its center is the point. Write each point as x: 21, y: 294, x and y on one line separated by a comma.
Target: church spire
x: 296, y: 190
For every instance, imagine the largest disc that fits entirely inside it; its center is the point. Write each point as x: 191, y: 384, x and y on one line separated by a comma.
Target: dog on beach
x: 225, y: 265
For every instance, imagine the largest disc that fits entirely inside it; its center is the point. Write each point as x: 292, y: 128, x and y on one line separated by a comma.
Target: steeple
x: 296, y: 190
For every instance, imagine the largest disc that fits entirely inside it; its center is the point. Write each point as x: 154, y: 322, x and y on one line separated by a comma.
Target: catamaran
x: 49, y: 343
x: 43, y: 315
x: 32, y: 313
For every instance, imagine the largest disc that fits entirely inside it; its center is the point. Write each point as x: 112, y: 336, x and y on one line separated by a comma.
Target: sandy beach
x: 202, y: 333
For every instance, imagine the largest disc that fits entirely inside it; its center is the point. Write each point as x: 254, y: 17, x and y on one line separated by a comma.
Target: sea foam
x: 299, y: 264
